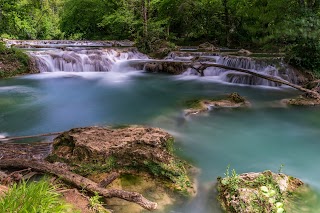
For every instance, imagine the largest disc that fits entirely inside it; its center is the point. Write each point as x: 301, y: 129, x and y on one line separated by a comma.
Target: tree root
x: 78, y: 181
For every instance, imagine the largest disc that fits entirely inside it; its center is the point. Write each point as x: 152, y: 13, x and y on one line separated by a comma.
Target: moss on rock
x: 132, y: 149
x: 233, y: 100
x: 256, y: 192
x: 301, y: 101
x: 15, y: 62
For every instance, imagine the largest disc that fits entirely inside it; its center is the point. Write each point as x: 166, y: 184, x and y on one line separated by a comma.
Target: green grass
x: 33, y: 197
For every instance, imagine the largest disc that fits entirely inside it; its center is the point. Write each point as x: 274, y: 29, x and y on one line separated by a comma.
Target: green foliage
x: 231, y: 181
x: 259, y: 193
x: 33, y: 197
x: 29, y: 19
x: 15, y: 61
x: 96, y: 204
x: 174, y: 171
x: 291, y: 26
x: 80, y: 18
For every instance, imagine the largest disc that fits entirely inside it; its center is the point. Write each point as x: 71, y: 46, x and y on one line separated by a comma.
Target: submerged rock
x: 301, y: 101
x: 126, y: 150
x: 256, y: 192
x: 233, y: 100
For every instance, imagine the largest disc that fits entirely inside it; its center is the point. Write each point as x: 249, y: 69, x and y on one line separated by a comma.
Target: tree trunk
x: 29, y: 136
x: 145, y: 7
x: 203, y: 66
x: 226, y: 21
x: 79, y: 181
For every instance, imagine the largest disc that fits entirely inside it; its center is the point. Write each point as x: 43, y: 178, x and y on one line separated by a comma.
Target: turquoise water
x: 255, y: 139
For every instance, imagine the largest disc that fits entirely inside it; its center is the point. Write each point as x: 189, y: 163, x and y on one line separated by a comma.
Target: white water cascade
x: 83, y: 59
x: 271, y: 67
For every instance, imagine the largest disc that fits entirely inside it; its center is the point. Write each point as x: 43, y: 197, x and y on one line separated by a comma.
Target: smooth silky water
x: 249, y: 140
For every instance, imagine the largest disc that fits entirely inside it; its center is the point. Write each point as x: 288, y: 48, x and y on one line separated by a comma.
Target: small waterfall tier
x: 83, y: 59
x: 267, y: 66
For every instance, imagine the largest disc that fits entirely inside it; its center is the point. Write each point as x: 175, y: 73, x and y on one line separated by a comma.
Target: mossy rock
x: 15, y: 62
x: 233, y: 100
x: 301, y: 101
x: 94, y: 150
x: 167, y: 67
x: 256, y: 192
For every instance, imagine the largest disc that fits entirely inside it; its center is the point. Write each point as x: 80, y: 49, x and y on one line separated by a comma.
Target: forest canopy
x: 291, y: 26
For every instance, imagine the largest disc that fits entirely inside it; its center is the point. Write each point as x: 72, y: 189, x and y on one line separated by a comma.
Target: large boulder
x: 256, y: 192
x: 127, y: 149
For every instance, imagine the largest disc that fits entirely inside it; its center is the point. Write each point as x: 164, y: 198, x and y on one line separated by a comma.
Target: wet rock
x: 173, y: 68
x: 244, y: 52
x: 256, y: 192
x: 208, y: 47
x: 127, y: 149
x: 233, y: 100
x: 301, y: 101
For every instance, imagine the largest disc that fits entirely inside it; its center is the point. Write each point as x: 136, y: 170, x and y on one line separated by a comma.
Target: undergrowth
x: 33, y: 197
x: 13, y: 62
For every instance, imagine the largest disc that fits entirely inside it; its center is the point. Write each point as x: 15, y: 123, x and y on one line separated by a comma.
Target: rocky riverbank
x: 15, y: 62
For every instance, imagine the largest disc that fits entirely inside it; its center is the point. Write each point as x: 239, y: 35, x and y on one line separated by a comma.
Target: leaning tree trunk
x: 79, y: 181
x: 200, y: 67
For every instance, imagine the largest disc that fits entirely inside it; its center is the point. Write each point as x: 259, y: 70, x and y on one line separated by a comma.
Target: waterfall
x: 83, y: 59
x: 272, y: 67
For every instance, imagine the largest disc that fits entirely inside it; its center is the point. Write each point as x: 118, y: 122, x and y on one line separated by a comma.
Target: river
x: 260, y: 138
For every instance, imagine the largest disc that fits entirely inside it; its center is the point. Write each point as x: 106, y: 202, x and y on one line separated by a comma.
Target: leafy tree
x: 29, y: 19
x: 81, y: 18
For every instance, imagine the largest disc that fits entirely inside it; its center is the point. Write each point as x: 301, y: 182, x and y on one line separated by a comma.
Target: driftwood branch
x: 29, y: 136
x: 79, y: 181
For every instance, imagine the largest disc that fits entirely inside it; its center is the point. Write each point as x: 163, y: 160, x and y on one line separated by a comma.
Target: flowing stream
x: 255, y: 139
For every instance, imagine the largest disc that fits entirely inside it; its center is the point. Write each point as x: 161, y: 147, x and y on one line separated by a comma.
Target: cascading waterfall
x: 263, y: 66
x: 83, y: 59
x: 247, y: 63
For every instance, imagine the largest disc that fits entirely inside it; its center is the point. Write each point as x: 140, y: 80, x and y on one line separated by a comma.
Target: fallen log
x: 29, y: 136
x: 200, y: 67
x: 79, y: 181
